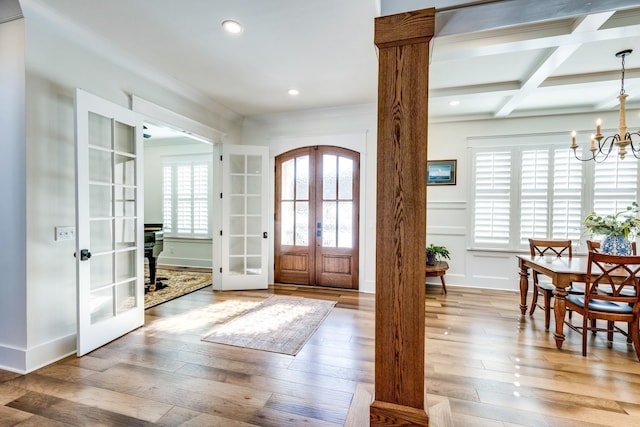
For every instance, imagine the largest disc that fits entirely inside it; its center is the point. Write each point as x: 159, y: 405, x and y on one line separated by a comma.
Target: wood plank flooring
x: 495, y: 367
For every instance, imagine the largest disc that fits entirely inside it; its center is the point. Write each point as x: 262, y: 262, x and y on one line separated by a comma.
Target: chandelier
x: 601, y: 147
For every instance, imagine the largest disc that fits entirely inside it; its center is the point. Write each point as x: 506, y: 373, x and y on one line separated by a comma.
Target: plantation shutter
x: 186, y: 196
x: 567, y: 196
x: 167, y: 211
x: 615, y: 184
x: 492, y: 180
x: 534, y: 199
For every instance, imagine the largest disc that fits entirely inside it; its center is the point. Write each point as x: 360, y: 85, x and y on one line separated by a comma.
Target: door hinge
x: 220, y: 269
x: 221, y: 232
x: 220, y: 157
x: 221, y: 195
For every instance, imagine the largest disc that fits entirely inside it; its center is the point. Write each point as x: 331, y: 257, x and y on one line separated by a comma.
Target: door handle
x: 84, y: 254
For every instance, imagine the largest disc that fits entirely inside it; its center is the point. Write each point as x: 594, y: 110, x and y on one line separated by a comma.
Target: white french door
x: 244, y: 240
x: 109, y: 221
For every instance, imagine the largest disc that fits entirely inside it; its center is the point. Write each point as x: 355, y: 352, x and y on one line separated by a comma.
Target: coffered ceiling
x: 493, y: 58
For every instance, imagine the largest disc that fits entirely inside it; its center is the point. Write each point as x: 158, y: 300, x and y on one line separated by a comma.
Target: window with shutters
x: 186, y: 196
x: 522, y: 191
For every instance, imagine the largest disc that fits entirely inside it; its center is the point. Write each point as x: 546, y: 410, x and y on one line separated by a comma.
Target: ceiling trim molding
x: 159, y: 115
x: 10, y: 10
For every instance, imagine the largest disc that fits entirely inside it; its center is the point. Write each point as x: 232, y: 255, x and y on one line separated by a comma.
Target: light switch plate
x: 65, y: 233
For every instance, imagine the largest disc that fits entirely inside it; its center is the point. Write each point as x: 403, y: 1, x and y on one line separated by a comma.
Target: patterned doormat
x: 279, y: 324
x: 174, y: 283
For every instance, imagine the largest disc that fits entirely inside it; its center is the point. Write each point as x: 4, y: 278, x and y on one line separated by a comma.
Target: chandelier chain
x: 622, y: 80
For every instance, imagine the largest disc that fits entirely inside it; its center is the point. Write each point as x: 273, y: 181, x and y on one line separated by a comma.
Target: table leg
x: 444, y: 286
x: 559, y: 311
x: 524, y: 288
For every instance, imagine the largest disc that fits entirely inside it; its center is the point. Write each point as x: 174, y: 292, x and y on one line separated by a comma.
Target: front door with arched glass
x: 316, y: 217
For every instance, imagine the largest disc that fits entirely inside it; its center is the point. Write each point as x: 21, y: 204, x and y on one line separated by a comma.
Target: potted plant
x: 618, y: 229
x: 436, y: 253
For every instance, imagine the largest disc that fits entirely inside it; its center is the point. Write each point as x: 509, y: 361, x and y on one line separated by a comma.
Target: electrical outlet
x: 65, y: 233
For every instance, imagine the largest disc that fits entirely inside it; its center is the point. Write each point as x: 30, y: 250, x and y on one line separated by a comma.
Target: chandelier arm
x: 611, y: 140
x: 598, y: 151
x: 629, y: 137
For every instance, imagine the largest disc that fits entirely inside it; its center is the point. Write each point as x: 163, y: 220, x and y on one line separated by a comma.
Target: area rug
x: 173, y: 284
x: 279, y: 324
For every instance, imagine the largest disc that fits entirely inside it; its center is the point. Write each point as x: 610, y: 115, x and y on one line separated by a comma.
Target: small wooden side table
x: 437, y: 270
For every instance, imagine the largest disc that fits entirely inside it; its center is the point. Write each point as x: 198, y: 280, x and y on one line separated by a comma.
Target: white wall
x: 40, y: 296
x: 13, y: 192
x: 448, y: 211
x: 180, y: 252
x: 352, y: 127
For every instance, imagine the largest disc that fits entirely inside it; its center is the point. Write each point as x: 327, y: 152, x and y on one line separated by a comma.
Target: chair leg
x: 634, y: 331
x: 547, y: 309
x: 585, y: 319
x: 534, y: 300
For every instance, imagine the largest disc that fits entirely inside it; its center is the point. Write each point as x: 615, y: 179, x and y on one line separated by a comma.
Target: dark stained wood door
x: 317, y: 217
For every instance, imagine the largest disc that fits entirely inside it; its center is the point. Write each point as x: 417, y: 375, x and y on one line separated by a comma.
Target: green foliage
x: 438, y: 252
x: 624, y: 223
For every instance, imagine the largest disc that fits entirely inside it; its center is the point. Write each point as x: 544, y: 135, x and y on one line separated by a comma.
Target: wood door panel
x: 293, y: 268
x: 294, y: 262
x: 336, y: 270
x: 336, y: 264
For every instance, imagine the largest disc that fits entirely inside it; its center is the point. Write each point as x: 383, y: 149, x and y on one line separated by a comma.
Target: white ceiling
x: 490, y: 58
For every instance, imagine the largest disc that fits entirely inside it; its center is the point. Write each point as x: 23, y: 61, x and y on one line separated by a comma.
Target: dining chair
x: 612, y: 293
x: 593, y: 245
x: 542, y: 286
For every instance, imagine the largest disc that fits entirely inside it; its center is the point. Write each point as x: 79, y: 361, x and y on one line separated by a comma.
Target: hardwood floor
x: 495, y: 367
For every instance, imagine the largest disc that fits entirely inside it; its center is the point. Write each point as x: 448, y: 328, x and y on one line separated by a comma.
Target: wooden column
x: 403, y: 42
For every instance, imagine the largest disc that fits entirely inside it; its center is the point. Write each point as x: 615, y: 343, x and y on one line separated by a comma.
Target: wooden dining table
x: 563, y: 271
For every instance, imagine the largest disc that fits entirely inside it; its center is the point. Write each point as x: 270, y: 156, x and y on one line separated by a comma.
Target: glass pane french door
x: 244, y: 240
x: 317, y: 200
x: 109, y: 244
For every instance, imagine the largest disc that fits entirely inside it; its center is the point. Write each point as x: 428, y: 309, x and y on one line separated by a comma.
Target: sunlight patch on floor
x: 268, y: 319
x: 196, y: 319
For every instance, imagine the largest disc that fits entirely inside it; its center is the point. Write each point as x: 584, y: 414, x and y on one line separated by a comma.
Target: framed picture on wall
x: 441, y: 172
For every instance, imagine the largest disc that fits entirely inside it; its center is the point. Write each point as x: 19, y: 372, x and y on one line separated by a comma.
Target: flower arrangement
x: 625, y: 223
x: 435, y: 253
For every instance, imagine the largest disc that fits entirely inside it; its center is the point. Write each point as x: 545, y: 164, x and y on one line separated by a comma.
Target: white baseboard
x: 23, y: 361
x: 13, y: 360
x: 184, y: 262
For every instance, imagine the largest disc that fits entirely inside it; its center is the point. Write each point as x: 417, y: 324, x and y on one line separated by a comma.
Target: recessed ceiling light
x: 231, y: 26
x: 293, y: 92
x: 454, y: 103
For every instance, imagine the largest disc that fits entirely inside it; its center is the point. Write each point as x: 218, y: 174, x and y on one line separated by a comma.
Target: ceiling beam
x: 446, y: 51
x: 461, y: 17
x: 553, y: 61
